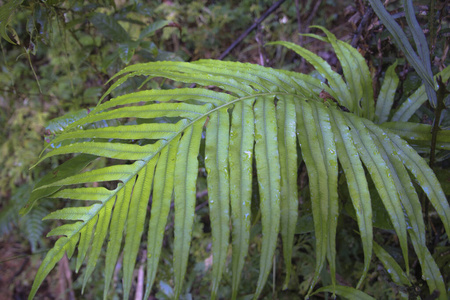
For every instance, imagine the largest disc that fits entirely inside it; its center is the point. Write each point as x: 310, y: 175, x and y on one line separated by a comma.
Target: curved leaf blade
x: 268, y: 170
x: 216, y: 163
x: 319, y: 153
x: 425, y: 177
x: 392, y: 267
x: 240, y: 162
x: 119, y: 217
x: 62, y: 245
x: 402, y: 42
x: 67, y: 169
x: 185, y: 195
x: 346, y: 292
x: 357, y: 184
x: 337, y: 84
x: 99, y: 237
x: 287, y: 147
x: 109, y: 27
x: 135, y: 222
x: 381, y: 175
x: 387, y: 93
x: 162, y: 196
x: 356, y: 74
x: 413, y: 102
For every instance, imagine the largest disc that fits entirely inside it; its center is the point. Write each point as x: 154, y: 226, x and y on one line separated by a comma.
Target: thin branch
x: 247, y: 32
x: 299, y: 22
x: 312, y: 15
x: 251, y: 28
x: 432, y: 28
x: 367, y: 16
x: 27, y: 53
x: 441, y: 94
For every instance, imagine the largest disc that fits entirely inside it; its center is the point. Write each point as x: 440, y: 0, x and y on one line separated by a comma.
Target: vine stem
x: 431, y: 15
x: 251, y: 28
x: 27, y: 53
x: 441, y: 93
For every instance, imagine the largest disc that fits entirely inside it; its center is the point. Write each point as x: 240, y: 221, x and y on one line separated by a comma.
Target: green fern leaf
x: 240, y: 162
x: 357, y: 184
x: 287, y: 147
x: 135, y: 221
x: 186, y: 171
x: 162, y: 196
x: 258, y: 113
x: 216, y: 162
x: 268, y: 166
x: 356, y: 73
x: 319, y: 154
x: 118, y: 219
x: 387, y: 93
x: 346, y: 292
x: 339, y: 89
x: 395, y: 271
x: 419, y: 97
x: 419, y: 134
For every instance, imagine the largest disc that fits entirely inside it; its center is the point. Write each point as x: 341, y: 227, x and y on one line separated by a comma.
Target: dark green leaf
x: 109, y: 27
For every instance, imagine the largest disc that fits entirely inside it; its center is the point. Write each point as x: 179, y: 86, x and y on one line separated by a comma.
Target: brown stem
x: 441, y: 93
x: 431, y: 14
x: 251, y: 28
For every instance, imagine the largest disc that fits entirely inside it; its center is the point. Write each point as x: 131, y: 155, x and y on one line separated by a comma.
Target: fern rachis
x: 259, y: 113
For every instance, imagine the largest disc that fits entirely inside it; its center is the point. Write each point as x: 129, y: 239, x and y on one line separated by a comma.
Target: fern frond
x: 240, y: 163
x: 252, y: 113
x: 387, y: 93
x: 216, y: 162
x: 419, y: 97
x: 318, y: 151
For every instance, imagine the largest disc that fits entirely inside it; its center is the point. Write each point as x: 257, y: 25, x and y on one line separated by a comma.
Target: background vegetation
x: 57, y: 57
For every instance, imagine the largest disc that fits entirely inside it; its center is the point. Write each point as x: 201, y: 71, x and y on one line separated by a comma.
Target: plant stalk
x: 441, y: 93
